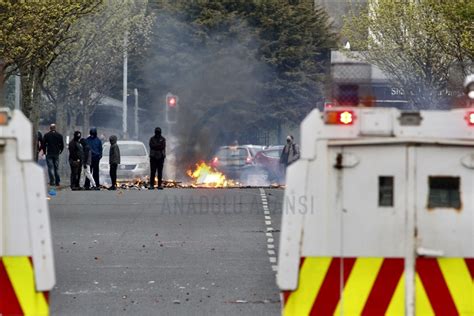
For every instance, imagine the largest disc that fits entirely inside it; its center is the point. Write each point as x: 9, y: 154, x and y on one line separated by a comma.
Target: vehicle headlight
x: 142, y: 165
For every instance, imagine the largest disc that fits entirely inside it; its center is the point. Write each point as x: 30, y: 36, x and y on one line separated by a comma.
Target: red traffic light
x: 171, y: 101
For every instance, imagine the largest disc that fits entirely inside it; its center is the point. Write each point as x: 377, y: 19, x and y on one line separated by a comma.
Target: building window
x: 444, y: 192
x: 386, y: 191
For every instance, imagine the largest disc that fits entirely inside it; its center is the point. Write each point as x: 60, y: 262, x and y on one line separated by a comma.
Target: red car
x: 269, y: 160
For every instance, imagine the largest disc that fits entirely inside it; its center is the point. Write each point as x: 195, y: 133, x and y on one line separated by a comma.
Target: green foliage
x: 456, y: 33
x: 30, y: 31
x: 30, y: 34
x: 239, y: 66
x: 90, y: 67
x: 417, y: 43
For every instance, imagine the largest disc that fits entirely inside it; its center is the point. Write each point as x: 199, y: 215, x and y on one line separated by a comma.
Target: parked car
x: 237, y: 162
x: 135, y: 162
x: 269, y: 160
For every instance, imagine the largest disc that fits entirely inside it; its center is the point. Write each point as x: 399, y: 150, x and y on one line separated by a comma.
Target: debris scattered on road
x: 176, y: 302
x: 174, y: 184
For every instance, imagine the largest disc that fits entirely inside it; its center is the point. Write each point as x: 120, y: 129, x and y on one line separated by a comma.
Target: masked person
x: 53, y: 145
x: 114, y: 161
x: 76, y: 155
x: 157, y: 158
x: 86, y: 163
x: 290, y: 153
x: 95, y: 145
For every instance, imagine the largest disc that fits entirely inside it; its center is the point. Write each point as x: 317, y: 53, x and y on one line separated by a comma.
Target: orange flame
x: 206, y: 176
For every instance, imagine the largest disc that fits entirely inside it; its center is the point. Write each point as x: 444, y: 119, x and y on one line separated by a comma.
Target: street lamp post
x: 17, y: 92
x: 135, y: 92
x: 125, y: 83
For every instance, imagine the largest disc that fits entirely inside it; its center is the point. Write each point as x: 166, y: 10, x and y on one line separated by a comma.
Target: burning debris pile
x: 144, y: 184
x: 208, y: 177
x: 202, y: 176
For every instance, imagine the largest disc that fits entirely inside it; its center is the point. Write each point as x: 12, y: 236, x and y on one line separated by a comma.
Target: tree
x: 238, y: 66
x: 89, y: 68
x: 416, y: 43
x: 30, y: 34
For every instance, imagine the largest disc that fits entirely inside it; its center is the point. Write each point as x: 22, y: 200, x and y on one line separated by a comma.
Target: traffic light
x: 171, y: 100
x: 171, y: 108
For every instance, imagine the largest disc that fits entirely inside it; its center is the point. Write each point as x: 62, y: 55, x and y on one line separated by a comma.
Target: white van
x: 378, y: 217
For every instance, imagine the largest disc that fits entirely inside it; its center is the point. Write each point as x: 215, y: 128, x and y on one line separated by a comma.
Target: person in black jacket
x: 53, y: 145
x: 114, y: 161
x: 86, y: 163
x: 95, y: 145
x: 157, y: 158
x: 76, y: 155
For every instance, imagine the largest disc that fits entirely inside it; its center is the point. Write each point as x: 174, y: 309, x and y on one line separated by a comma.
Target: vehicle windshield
x: 126, y: 149
x: 232, y: 155
x: 273, y: 153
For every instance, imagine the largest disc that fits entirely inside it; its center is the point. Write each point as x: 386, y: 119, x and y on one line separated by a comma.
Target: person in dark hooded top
x: 114, y: 161
x: 86, y: 163
x: 95, y: 145
x: 157, y: 158
x: 76, y: 155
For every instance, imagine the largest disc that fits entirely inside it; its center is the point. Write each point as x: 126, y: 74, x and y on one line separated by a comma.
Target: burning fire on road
x: 201, y: 176
x: 206, y: 176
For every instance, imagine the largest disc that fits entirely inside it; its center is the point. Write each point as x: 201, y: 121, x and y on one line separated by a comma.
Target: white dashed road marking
x: 268, y: 222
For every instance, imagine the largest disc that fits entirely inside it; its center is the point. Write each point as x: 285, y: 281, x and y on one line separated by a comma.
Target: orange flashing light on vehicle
x: 339, y: 117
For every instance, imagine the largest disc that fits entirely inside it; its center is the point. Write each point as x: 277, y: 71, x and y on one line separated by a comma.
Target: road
x: 171, y: 252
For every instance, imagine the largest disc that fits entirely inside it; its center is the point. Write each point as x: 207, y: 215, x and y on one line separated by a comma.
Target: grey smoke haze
x: 218, y: 81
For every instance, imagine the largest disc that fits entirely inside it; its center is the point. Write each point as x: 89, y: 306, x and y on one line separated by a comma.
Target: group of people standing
x: 86, y: 153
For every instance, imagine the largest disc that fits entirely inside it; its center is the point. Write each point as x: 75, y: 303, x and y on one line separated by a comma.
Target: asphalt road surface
x: 171, y: 252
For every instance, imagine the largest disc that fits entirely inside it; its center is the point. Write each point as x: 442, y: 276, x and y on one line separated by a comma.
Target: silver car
x: 135, y: 162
